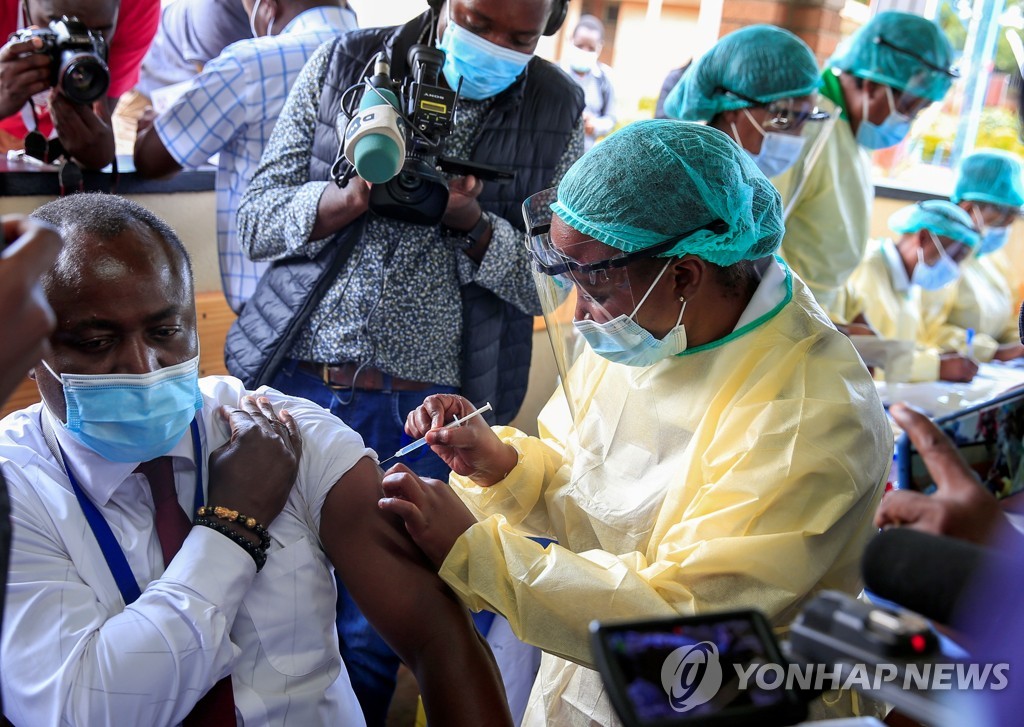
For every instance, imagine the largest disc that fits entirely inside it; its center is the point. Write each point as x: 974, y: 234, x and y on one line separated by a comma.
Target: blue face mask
x: 993, y: 239
x: 778, y: 151
x: 622, y: 340
x: 889, y: 133
x: 131, y: 417
x: 486, y: 69
x: 935, y: 277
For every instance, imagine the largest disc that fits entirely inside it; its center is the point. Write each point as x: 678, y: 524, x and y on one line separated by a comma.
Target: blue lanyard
x: 112, y: 551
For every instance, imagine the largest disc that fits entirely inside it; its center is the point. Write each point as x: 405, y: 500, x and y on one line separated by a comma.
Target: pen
x: 970, y: 343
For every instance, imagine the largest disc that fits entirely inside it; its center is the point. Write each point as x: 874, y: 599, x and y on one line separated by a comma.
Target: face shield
x: 583, y: 279
x: 817, y: 125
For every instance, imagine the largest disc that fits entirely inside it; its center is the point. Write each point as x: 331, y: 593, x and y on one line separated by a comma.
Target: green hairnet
x: 991, y: 176
x: 943, y: 218
x: 901, y: 50
x: 660, y: 179
x: 761, y: 62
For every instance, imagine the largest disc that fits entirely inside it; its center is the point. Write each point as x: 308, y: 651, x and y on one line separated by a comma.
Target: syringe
x: 423, y: 440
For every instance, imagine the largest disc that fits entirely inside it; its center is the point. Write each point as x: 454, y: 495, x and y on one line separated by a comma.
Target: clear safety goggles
x: 784, y: 114
x: 568, y: 266
x: 998, y: 215
x: 929, y: 83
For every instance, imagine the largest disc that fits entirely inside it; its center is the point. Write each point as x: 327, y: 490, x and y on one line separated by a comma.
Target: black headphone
x: 558, y: 10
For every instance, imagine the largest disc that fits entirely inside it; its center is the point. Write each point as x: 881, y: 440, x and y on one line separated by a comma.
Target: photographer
x: 413, y: 310
x: 28, y: 100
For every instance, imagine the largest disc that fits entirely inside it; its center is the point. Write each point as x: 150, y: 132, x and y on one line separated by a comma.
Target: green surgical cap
x: 900, y: 50
x: 991, y: 176
x: 760, y: 62
x: 661, y: 179
x: 943, y: 218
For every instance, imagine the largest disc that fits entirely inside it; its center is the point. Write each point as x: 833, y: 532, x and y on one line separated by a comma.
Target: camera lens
x: 83, y: 77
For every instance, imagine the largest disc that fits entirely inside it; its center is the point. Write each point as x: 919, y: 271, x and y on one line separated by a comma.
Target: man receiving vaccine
x: 367, y: 314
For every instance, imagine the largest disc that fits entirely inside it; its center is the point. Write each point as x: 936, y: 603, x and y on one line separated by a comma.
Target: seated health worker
x: 886, y: 290
x: 717, y: 444
x: 986, y: 298
x: 758, y: 85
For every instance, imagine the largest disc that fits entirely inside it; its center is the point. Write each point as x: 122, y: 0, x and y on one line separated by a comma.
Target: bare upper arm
x: 400, y: 593
x: 151, y: 156
x: 391, y: 580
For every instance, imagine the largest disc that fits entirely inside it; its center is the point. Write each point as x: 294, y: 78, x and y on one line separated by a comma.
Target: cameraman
x: 27, y: 101
x: 413, y: 310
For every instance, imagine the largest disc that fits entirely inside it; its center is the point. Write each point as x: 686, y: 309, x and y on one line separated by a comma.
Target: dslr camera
x: 78, y: 67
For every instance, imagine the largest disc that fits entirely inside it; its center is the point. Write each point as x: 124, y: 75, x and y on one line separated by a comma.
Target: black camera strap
x: 410, y: 34
x: 70, y: 178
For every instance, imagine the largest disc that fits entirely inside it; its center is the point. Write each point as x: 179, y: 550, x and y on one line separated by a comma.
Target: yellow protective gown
x: 983, y: 299
x: 828, y: 226
x: 897, y: 314
x: 741, y: 474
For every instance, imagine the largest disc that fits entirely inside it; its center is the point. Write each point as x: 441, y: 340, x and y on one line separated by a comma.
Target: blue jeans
x: 379, y: 416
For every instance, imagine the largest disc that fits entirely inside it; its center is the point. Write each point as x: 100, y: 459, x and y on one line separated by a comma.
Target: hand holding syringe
x: 423, y: 440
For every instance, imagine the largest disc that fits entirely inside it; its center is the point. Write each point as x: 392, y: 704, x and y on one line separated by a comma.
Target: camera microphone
x: 924, y: 573
x: 374, y: 140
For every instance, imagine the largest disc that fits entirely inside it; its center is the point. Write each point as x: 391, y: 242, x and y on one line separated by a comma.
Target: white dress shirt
x: 74, y: 654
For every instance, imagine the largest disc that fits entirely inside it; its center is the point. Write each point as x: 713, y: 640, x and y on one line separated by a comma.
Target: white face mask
x: 579, y: 60
x: 623, y: 340
x: 252, y: 21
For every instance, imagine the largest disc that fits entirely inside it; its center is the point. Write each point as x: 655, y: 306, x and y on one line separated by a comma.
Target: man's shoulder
x: 361, y: 44
x: 20, y: 431
x: 552, y: 77
x: 320, y: 429
x: 546, y: 80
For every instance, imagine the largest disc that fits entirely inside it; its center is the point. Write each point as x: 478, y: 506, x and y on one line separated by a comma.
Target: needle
x: 423, y: 440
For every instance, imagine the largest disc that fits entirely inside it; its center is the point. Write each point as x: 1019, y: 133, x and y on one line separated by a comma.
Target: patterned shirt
x: 230, y: 109
x: 396, y: 303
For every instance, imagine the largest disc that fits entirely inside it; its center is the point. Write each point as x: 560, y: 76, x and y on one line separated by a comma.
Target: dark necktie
x: 217, y: 707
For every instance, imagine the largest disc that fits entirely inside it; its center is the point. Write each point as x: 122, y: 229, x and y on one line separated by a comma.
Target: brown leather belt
x: 344, y: 376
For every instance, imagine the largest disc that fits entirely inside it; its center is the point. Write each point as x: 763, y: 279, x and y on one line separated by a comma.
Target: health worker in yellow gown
x: 759, y: 85
x: 886, y: 290
x: 879, y: 80
x: 986, y: 298
x: 715, y: 444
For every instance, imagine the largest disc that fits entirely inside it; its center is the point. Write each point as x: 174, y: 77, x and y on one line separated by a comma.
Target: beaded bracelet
x: 258, y: 553
x: 233, y: 516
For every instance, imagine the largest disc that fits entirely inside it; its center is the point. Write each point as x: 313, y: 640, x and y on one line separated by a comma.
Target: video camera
x: 728, y: 669
x: 396, y: 137
x: 78, y: 67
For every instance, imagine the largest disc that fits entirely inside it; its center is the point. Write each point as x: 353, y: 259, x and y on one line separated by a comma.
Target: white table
x: 938, y: 398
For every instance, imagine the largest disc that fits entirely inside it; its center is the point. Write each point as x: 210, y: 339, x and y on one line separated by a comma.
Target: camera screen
x: 990, y: 439
x: 662, y: 672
